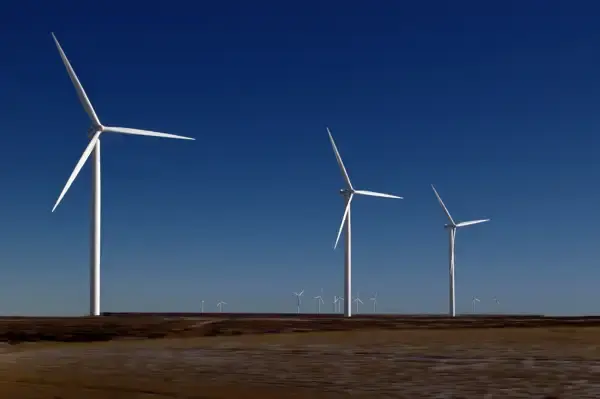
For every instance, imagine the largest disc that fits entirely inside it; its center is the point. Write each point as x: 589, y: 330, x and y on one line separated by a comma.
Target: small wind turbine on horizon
x: 220, y: 306
x: 202, y: 306
x: 374, y: 299
x: 340, y: 301
x: 497, y: 302
x: 452, y: 226
x: 474, y: 301
x: 319, y: 299
x: 348, y: 194
x: 298, y: 300
x: 357, y: 300
x: 335, y: 302
x: 94, y: 132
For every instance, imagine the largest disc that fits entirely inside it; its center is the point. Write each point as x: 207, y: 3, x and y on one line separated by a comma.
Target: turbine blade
x: 471, y: 222
x: 83, y: 98
x: 343, y: 221
x: 442, y: 204
x: 339, y: 161
x: 84, y: 157
x: 139, y: 132
x: 375, y: 194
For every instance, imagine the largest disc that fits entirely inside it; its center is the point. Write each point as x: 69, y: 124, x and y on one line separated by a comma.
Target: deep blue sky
x: 498, y: 107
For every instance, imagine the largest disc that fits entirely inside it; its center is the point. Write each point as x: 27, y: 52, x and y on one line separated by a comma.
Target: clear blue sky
x: 498, y: 107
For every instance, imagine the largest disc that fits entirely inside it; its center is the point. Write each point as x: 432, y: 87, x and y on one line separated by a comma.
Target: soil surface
x: 107, y: 328
x: 299, y: 357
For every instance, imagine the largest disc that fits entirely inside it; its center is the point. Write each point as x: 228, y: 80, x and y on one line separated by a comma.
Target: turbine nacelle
x: 94, y: 129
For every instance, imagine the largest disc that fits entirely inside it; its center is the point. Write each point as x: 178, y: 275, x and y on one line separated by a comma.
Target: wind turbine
x: 348, y: 194
x: 374, y: 299
x: 220, y: 306
x: 357, y: 300
x: 319, y: 300
x: 298, y: 300
x: 95, y: 131
x: 335, y: 302
x: 497, y: 302
x: 202, y: 306
x: 474, y: 300
x: 452, y: 226
x: 340, y: 301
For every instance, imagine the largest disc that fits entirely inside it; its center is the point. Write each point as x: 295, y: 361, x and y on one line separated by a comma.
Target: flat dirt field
x: 299, y: 358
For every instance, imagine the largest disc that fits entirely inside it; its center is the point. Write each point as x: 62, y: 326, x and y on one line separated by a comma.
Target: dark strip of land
x: 183, y: 325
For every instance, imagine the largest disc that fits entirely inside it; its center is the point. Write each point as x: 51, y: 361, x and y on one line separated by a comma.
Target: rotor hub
x: 93, y: 130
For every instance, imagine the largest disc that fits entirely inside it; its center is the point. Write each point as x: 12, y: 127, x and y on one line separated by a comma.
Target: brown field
x: 229, y: 356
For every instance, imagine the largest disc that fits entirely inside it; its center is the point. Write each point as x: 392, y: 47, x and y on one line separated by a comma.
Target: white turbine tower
x: 348, y: 194
x: 220, y: 306
x: 452, y: 226
x: 340, y: 301
x: 335, y: 302
x: 357, y: 300
x: 298, y: 300
x: 374, y: 299
x: 93, y: 146
x: 474, y: 301
x: 202, y: 307
x: 319, y: 300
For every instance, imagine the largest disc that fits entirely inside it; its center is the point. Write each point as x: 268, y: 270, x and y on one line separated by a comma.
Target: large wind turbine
x: 452, y: 232
x: 94, y: 132
x: 348, y: 194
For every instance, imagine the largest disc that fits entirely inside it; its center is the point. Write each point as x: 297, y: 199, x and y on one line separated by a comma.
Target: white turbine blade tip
x: 140, y: 132
x: 346, y: 210
x: 442, y: 204
x: 86, y: 153
x: 472, y: 222
x: 338, y: 158
x: 376, y: 194
x: 83, y: 98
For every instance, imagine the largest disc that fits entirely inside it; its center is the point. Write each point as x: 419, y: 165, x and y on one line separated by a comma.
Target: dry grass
x: 368, y: 360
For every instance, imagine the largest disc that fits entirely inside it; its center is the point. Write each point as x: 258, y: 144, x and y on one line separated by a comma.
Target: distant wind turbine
x: 335, y: 302
x: 452, y: 231
x: 94, y: 132
x: 220, y: 306
x: 319, y: 299
x: 497, y: 301
x: 298, y: 300
x: 340, y: 301
x: 357, y: 300
x: 348, y: 194
x: 474, y: 301
x: 374, y: 299
x: 202, y: 306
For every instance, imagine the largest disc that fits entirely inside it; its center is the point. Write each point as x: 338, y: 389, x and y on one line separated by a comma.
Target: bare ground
x: 212, y: 358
